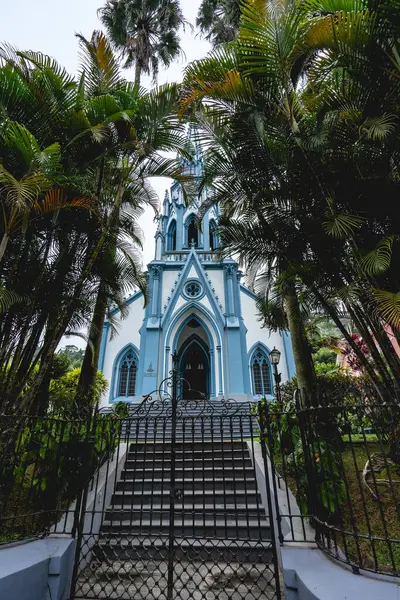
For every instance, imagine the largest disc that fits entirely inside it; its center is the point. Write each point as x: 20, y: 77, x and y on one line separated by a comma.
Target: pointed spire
x: 193, y: 137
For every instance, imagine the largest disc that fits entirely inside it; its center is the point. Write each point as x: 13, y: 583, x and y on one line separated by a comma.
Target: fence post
x: 80, y: 510
x: 311, y: 487
x: 271, y: 511
x: 266, y: 426
x: 171, y: 536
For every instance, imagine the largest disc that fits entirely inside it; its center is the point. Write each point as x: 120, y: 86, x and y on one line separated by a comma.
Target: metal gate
x: 181, y: 509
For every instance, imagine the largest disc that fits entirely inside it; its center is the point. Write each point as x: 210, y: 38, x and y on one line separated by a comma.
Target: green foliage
x: 146, y: 33
x: 334, y: 387
x: 316, y: 467
x: 63, y: 390
x: 302, y: 126
x: 59, y: 367
x: 325, y: 356
x: 53, y: 458
x: 218, y: 20
x: 328, y: 369
x: 76, y: 156
x: 73, y: 354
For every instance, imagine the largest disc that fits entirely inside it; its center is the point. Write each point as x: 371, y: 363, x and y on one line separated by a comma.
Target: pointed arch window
x: 261, y: 373
x: 214, y: 242
x: 192, y: 232
x: 171, y: 237
x: 127, y: 375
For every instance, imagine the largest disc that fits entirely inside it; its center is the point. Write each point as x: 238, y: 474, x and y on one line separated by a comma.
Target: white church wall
x: 169, y: 278
x: 192, y: 273
x: 217, y: 282
x: 128, y: 333
x: 206, y: 303
x: 180, y: 302
x: 256, y: 333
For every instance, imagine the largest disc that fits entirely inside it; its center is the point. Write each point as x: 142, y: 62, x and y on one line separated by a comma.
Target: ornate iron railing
x: 342, y: 463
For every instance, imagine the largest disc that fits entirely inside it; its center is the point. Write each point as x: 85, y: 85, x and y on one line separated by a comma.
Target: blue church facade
x: 198, y: 308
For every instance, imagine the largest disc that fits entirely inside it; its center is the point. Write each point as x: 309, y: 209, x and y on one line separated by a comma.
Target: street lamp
x: 274, y: 357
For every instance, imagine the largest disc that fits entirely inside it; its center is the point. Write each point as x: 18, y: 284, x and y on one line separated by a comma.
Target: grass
x: 362, y: 514
x: 358, y: 438
x: 370, y: 516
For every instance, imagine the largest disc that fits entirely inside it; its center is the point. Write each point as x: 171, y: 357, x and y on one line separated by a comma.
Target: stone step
x: 183, y: 440
x: 206, y: 408
x: 247, y: 529
x: 185, y: 437
x: 188, y: 446
x: 190, y: 497
x: 110, y: 548
x: 158, y: 514
x: 186, y: 473
x: 207, y: 484
x: 159, y: 453
x: 195, y: 430
x: 188, y: 463
x: 191, y: 424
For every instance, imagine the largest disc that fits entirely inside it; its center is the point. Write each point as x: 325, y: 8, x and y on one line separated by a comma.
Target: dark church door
x: 194, y: 369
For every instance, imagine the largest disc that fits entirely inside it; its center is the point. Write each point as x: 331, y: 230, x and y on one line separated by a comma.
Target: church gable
x: 192, y: 286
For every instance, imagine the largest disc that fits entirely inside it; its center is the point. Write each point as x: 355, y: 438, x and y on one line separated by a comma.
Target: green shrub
x: 325, y: 356
x: 63, y: 390
x: 316, y: 469
x: 52, y: 460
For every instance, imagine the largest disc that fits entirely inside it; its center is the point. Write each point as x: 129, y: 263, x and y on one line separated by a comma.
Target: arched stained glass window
x: 192, y: 232
x: 214, y: 242
x: 171, y: 237
x: 261, y: 373
x: 127, y: 375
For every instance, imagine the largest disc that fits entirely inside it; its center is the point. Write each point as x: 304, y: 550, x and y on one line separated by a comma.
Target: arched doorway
x: 194, y: 368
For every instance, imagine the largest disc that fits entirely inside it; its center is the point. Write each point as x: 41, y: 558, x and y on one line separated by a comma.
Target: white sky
x: 49, y: 26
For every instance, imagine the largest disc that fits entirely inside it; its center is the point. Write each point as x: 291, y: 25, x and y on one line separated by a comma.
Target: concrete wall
x: 310, y: 575
x: 98, y: 500
x: 38, y: 570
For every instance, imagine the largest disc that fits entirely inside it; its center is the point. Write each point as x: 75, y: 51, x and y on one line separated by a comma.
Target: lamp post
x: 274, y: 357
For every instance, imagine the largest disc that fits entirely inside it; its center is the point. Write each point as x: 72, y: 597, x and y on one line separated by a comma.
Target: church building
x: 199, y: 308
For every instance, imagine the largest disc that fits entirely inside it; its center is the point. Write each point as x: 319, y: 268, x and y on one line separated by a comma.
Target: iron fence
x: 337, y: 475
x: 45, y: 464
x: 335, y: 472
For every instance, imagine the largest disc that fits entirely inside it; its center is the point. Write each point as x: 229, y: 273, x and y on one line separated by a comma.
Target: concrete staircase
x: 218, y: 518
x: 216, y: 498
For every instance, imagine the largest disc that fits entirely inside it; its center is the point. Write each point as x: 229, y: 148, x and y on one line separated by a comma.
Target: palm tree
x: 218, y: 20
x: 109, y: 134
x: 146, y: 32
x: 302, y: 123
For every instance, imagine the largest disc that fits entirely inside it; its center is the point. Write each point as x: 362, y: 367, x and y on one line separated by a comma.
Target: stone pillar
x: 212, y: 374
x: 221, y: 387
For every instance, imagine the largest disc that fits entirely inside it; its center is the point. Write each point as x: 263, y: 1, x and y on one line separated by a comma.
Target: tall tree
x: 145, y: 31
x: 91, y: 144
x: 302, y: 110
x: 218, y: 20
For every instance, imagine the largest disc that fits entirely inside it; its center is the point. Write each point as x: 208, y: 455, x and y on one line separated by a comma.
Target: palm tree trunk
x: 84, y: 395
x: 138, y: 73
x: 3, y: 245
x: 305, y: 373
